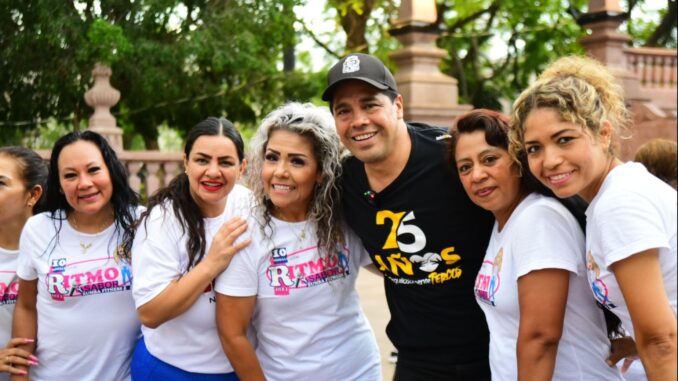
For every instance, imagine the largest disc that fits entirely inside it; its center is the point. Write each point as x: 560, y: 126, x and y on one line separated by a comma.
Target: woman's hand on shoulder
x: 12, y: 355
x: 224, y: 245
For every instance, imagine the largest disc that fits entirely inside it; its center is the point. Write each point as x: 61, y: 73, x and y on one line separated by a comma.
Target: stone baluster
x: 666, y: 72
x: 133, y: 169
x: 101, y: 97
x: 152, y: 177
x: 662, y: 67
x: 171, y: 170
x: 648, y: 63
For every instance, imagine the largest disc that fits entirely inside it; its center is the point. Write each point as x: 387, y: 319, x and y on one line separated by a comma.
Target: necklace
x: 301, y: 234
x: 84, y: 247
x: 98, y: 228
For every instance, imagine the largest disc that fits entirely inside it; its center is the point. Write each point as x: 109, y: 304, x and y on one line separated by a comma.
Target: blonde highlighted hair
x: 581, y: 90
x: 316, y: 124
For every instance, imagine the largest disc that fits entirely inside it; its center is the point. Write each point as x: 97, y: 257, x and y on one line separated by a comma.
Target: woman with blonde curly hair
x: 567, y: 123
x: 296, y: 282
x: 557, y: 334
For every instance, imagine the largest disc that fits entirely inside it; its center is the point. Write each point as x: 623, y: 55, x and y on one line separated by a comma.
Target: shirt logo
x: 489, y: 279
x: 58, y: 265
x: 298, y: 273
x: 351, y: 65
x: 404, y: 258
x: 598, y: 287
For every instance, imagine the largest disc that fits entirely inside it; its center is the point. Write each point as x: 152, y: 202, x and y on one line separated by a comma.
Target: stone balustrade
x: 147, y: 170
x: 656, y: 70
x: 656, y: 67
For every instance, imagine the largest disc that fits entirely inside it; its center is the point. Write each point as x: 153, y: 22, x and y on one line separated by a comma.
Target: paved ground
x: 371, y: 289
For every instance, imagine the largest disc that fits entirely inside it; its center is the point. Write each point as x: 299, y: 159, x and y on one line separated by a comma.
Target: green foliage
x: 642, y: 24
x: 107, y: 42
x: 174, y: 62
x: 45, y: 135
x: 344, y: 6
x: 531, y: 34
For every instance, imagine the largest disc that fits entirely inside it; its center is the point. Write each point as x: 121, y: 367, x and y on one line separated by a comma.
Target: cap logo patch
x: 352, y: 64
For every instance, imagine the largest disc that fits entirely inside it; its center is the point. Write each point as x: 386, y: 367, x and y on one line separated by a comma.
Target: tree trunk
x: 151, y: 143
x: 354, y: 24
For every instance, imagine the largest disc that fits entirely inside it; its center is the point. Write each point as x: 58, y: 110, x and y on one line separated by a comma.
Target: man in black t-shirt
x: 415, y: 220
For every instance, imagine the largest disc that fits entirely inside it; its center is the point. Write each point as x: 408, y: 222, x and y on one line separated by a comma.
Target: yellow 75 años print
x: 402, y: 223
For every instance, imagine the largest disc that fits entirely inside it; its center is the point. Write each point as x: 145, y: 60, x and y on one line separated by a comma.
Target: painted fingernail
x: 28, y: 340
x: 22, y: 372
x: 31, y: 362
x: 33, y: 358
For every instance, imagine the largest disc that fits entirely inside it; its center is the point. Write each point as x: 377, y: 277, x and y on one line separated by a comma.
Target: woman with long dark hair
x: 184, y: 240
x: 76, y: 297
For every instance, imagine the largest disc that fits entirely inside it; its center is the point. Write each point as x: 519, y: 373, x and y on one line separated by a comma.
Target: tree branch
x: 662, y: 33
x: 463, y: 21
x: 317, y: 41
x: 632, y: 4
x: 499, y: 69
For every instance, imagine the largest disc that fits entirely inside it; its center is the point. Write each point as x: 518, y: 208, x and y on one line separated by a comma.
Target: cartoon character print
x: 489, y: 279
x: 428, y: 262
x: 598, y: 287
x: 297, y: 270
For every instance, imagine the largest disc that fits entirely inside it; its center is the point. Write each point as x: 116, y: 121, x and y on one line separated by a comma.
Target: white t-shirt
x: 632, y: 212
x: 541, y: 234
x: 87, y: 324
x: 9, y: 289
x: 307, y: 317
x: 189, y: 341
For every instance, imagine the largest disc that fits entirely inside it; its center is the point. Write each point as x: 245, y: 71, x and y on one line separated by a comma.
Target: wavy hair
x: 316, y: 124
x: 496, y: 128
x: 123, y: 199
x: 581, y: 90
x: 32, y: 170
x: 178, y: 193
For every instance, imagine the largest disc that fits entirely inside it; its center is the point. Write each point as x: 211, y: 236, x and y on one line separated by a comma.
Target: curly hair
x: 581, y: 90
x: 315, y: 123
x: 496, y: 128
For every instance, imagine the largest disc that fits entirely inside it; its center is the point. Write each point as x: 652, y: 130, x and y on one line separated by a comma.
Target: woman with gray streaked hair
x: 296, y: 282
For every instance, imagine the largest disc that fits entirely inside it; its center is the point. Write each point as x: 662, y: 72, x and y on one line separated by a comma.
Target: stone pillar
x: 606, y: 44
x: 429, y: 95
x: 101, y: 97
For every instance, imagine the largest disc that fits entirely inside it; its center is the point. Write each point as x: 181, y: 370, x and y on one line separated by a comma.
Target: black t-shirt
x: 428, y: 239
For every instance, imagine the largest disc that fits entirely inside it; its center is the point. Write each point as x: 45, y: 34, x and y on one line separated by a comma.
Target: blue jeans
x: 146, y: 367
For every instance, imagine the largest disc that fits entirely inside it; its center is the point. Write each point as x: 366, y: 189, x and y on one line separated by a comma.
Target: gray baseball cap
x: 363, y: 67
